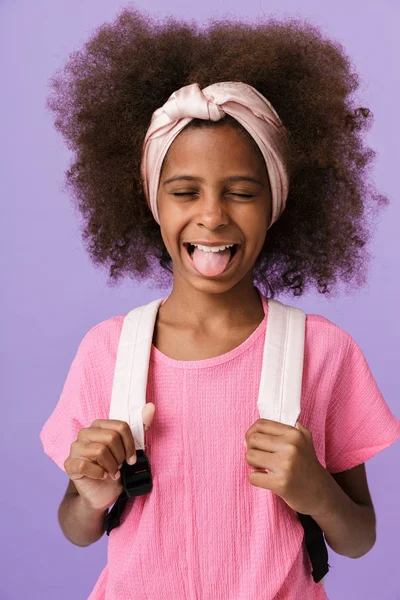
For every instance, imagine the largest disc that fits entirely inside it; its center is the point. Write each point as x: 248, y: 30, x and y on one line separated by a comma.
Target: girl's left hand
x: 294, y: 472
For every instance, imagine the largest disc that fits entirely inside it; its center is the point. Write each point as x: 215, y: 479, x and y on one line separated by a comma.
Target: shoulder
x: 329, y: 350
x: 105, y: 332
x: 332, y: 355
x: 321, y: 333
x: 102, y: 339
x: 91, y: 372
x: 99, y: 345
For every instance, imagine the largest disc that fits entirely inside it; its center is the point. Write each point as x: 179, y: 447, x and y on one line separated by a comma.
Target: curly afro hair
x: 103, y: 99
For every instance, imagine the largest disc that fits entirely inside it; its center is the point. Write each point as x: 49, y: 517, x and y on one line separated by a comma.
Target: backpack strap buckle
x: 137, y: 479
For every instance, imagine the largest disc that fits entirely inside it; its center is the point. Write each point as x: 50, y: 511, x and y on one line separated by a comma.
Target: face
x: 211, y: 200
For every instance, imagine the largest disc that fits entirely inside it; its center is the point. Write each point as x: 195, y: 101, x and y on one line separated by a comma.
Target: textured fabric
x: 204, y: 531
x: 235, y: 98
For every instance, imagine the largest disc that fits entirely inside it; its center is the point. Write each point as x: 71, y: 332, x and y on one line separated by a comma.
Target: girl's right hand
x: 97, y: 455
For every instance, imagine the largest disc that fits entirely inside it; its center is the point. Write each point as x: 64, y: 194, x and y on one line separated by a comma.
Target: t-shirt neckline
x: 157, y: 356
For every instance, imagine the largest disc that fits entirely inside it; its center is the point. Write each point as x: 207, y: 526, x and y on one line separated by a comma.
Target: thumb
x: 148, y: 414
x: 303, y: 429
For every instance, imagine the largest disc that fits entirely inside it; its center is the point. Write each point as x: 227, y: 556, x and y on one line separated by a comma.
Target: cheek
x: 256, y: 233
x: 163, y: 208
x: 170, y: 235
x: 163, y: 236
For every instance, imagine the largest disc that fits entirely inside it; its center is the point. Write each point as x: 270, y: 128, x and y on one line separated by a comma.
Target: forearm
x: 349, y: 528
x: 80, y: 524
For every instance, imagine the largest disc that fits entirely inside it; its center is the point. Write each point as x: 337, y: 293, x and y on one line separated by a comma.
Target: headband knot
x: 192, y: 103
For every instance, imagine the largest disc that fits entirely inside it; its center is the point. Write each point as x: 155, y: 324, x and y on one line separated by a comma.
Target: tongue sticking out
x: 211, y: 263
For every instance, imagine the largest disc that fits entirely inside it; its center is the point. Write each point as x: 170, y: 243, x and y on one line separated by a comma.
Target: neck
x: 239, y: 306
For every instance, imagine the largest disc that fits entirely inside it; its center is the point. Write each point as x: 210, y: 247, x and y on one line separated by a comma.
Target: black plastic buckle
x: 137, y: 479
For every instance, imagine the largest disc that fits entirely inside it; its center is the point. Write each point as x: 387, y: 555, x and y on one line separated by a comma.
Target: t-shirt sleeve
x: 83, y: 398
x: 359, y: 422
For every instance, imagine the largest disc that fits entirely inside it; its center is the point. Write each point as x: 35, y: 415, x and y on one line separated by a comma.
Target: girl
x: 186, y: 140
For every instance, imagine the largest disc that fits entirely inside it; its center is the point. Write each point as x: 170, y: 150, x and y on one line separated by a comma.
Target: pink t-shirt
x: 205, y: 531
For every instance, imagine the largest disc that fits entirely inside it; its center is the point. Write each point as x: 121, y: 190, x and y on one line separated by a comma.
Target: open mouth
x: 206, y: 269
x: 190, y: 249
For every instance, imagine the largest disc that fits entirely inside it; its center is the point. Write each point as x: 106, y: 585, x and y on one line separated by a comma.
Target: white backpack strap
x: 281, y: 373
x: 282, y: 367
x: 128, y: 395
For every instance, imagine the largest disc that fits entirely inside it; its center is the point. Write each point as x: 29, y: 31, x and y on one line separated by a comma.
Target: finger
x: 264, y: 480
x: 148, y: 414
x: 78, y: 467
x: 267, y: 426
x: 301, y: 428
x: 106, y: 437
x: 271, y: 427
x: 259, y: 459
x: 118, y: 429
x: 96, y: 452
x: 268, y: 443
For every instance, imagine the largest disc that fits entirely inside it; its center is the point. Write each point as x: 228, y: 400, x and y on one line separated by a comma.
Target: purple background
x: 52, y: 294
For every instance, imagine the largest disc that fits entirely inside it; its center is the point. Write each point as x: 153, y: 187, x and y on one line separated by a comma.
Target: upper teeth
x: 212, y: 248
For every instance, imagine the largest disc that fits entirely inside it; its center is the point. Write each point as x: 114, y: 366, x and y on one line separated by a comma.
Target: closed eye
x: 191, y: 194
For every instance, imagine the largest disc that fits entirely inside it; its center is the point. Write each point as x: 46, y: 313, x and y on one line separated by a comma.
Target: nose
x: 212, y: 211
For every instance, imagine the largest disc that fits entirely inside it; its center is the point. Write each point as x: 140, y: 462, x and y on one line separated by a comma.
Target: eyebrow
x: 232, y: 178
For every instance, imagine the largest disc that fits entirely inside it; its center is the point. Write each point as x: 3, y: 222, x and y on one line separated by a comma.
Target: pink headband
x: 241, y: 101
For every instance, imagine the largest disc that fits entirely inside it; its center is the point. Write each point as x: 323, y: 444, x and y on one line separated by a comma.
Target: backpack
x: 280, y: 383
